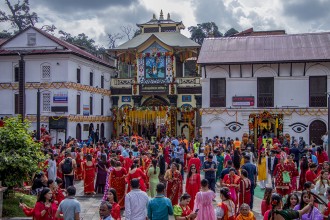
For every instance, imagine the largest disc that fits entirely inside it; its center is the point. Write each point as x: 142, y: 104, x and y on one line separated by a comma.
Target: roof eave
x: 263, y: 62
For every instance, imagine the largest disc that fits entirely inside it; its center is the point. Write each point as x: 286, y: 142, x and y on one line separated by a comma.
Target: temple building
x: 266, y: 86
x: 157, y: 91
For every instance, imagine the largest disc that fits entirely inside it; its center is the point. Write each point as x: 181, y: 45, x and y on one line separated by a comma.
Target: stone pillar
x: 173, y: 102
x: 137, y: 100
x: 198, y: 122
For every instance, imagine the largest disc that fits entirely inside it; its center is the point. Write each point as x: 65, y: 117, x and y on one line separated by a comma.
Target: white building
x: 74, y: 84
x: 273, y: 85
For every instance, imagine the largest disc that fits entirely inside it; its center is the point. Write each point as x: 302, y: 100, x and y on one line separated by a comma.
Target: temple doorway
x: 265, y: 127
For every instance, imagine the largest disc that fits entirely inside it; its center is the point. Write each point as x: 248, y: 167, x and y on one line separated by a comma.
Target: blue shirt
x: 251, y: 170
x: 179, y: 153
x: 159, y: 208
x: 209, y: 174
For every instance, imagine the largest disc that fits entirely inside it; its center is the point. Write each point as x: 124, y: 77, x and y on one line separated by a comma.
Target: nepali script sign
x: 243, y: 101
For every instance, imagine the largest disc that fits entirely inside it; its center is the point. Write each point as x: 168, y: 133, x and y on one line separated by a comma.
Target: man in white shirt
x: 136, y: 202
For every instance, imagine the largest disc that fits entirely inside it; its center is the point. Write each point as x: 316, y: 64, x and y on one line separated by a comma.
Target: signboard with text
x: 243, y: 101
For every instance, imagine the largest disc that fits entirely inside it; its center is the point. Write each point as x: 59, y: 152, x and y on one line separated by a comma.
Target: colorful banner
x: 86, y: 110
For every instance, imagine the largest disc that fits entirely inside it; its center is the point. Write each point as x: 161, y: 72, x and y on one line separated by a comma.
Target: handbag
x: 286, y: 177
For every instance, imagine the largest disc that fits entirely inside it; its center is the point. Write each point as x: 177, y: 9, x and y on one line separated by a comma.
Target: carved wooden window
x: 46, y: 102
x: 318, y: 91
x: 265, y: 92
x: 218, y: 92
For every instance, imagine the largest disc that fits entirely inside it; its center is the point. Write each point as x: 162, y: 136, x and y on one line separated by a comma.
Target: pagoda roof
x: 172, y: 39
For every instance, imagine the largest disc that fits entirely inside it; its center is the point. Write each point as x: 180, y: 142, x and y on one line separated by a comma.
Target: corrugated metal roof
x: 258, y: 49
x: 173, y: 39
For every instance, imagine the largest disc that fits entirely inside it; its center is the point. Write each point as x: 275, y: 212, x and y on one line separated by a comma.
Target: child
x: 245, y: 213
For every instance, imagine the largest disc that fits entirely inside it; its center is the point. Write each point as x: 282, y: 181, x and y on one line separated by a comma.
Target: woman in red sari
x: 128, y: 161
x: 193, y: 184
x: 89, y: 175
x: 112, y: 198
x: 281, y: 187
x: 79, y: 160
x: 292, y: 167
x: 244, y: 191
x: 136, y: 172
x: 231, y: 181
x: 117, y: 181
x: 174, y: 183
x: 45, y: 209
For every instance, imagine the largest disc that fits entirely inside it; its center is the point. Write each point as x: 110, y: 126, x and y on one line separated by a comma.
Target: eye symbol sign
x: 298, y: 127
x: 234, y: 126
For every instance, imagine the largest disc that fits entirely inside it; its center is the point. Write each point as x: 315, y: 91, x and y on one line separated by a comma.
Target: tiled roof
x: 173, y: 39
x: 68, y: 48
x: 261, y: 49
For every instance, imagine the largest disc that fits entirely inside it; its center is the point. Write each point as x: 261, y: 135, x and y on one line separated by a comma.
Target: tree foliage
x: 5, y: 34
x: 230, y: 32
x: 19, y: 16
x: 201, y: 31
x: 19, y: 154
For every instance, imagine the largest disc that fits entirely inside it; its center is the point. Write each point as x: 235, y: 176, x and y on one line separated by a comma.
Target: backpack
x: 67, y: 166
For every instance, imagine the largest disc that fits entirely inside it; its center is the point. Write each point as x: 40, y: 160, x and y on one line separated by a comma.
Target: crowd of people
x: 142, y: 179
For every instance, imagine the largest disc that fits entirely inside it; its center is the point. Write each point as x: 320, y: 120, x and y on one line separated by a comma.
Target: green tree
x: 231, y: 32
x: 19, y: 154
x: 5, y: 34
x: 20, y: 16
x: 201, y: 31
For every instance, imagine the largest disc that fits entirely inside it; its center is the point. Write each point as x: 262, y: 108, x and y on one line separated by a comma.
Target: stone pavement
x: 90, y: 204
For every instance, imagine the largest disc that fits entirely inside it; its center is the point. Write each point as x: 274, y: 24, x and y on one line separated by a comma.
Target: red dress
x: 115, y: 211
x: 302, y: 177
x: 59, y: 197
x: 244, y: 195
x: 89, y: 177
x: 265, y: 207
x: 293, y: 175
x: 174, y: 186
x: 128, y: 163
x: 310, y: 176
x: 196, y: 162
x: 117, y: 181
x: 233, y: 190
x: 281, y: 187
x: 50, y: 211
x: 137, y: 174
x: 193, y: 186
x: 79, y: 170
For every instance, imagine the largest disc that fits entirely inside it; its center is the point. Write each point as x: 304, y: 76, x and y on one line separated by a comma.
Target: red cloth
x: 266, y: 214
x: 232, y: 180
x: 79, y: 170
x: 321, y: 158
x: 310, y: 176
x: 115, y: 211
x: 59, y: 197
x: 328, y: 211
x: 174, y: 188
x: 128, y: 163
x: 167, y: 154
x: 117, y: 181
x: 89, y: 177
x: 137, y: 174
x: 302, y: 177
x: 29, y: 212
x: 265, y: 207
x: 50, y: 212
x: 244, y: 195
x: 193, y: 186
x: 196, y: 162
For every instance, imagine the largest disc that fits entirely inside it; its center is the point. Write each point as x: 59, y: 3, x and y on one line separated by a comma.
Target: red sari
x: 233, y: 189
x: 293, y: 175
x: 244, y: 195
x: 50, y: 212
x: 79, y: 170
x: 281, y: 187
x: 89, y: 177
x: 193, y: 186
x: 115, y: 211
x: 117, y: 181
x: 128, y: 163
x: 174, y: 186
x: 138, y: 173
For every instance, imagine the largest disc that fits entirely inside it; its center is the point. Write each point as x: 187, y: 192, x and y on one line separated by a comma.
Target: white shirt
x: 136, y: 203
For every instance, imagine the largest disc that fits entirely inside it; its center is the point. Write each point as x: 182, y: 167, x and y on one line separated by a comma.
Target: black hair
x: 307, y: 185
x: 232, y: 169
x: 185, y: 196
x: 275, y: 200
x: 49, y: 182
x: 135, y: 183
x: 302, y: 203
x: 114, y: 193
x: 268, y: 195
x: 225, y: 192
x: 42, y: 194
x: 230, y: 162
x: 204, y: 182
x: 71, y: 191
x: 189, y: 172
x: 160, y: 188
x: 304, y: 163
x: 58, y: 180
x: 154, y: 164
x: 89, y: 157
x: 244, y: 173
x: 287, y: 204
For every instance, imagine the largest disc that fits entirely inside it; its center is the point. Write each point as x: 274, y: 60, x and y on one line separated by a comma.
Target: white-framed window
x: 46, y: 97
x: 31, y: 39
x: 46, y: 72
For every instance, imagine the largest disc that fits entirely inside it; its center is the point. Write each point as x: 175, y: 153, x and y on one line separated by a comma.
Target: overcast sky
x: 99, y: 17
